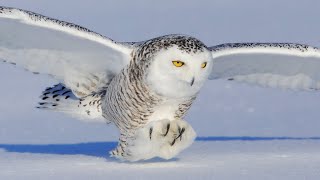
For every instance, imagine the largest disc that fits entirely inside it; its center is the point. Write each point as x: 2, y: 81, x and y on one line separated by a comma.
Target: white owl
x: 144, y: 88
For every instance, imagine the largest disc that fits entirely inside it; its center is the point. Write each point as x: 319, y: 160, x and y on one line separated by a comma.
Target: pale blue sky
x: 212, y: 21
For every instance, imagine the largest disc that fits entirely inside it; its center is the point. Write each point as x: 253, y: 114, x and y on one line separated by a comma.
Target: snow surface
x: 244, y: 132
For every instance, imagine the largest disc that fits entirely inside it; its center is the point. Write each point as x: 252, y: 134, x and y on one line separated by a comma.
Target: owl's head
x: 176, y: 66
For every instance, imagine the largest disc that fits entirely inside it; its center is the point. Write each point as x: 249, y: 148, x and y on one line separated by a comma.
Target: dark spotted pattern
x: 183, y: 108
x: 52, y: 95
x: 60, y: 98
x: 289, y: 46
x: 149, y: 48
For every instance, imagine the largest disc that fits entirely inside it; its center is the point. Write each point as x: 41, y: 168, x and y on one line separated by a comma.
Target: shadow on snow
x: 101, y: 149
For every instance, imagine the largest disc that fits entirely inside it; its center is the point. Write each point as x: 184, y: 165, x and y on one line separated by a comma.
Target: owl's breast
x: 165, y: 110
x: 130, y: 103
x: 171, y: 109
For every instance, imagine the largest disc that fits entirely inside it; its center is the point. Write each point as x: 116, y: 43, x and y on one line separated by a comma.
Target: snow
x: 244, y: 132
x: 219, y: 159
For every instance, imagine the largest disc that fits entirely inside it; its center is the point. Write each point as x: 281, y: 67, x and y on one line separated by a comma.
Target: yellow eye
x: 178, y: 63
x: 203, y: 65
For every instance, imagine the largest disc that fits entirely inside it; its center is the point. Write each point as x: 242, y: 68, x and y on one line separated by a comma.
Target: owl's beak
x: 192, y: 81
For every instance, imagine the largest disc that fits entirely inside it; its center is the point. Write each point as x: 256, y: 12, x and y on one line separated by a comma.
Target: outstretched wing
x: 284, y: 65
x: 80, y: 58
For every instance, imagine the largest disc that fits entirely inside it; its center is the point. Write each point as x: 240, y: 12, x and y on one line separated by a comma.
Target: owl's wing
x: 79, y: 58
x: 283, y: 65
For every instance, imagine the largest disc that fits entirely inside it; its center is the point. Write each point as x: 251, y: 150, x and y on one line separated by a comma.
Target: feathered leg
x: 162, y: 138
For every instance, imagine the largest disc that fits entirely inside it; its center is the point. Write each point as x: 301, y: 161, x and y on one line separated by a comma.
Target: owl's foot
x: 163, y: 139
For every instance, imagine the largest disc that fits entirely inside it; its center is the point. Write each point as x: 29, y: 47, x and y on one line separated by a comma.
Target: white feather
x: 78, y: 57
x: 282, y: 65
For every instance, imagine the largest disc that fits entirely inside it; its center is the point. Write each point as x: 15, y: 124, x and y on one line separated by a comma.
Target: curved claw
x: 150, y: 132
x: 174, y: 141
x: 181, y: 131
x: 168, y: 128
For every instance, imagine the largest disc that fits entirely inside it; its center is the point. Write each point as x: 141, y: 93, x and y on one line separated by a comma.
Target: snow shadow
x: 97, y: 149
x: 101, y: 149
x: 252, y: 138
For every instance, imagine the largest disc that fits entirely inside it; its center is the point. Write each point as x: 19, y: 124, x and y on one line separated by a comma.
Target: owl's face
x: 175, y: 73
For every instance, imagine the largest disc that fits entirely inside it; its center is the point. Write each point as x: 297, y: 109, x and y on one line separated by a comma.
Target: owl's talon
x: 157, y: 139
x: 181, y: 132
x: 173, y: 142
x: 150, y: 132
x: 168, y: 127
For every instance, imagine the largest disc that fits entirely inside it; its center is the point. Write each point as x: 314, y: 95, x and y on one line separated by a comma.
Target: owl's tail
x: 61, y: 99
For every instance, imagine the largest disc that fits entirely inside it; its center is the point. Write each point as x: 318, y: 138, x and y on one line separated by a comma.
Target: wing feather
x: 81, y: 59
x: 283, y: 65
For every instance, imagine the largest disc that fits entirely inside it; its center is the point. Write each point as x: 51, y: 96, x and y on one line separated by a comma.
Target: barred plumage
x: 129, y: 101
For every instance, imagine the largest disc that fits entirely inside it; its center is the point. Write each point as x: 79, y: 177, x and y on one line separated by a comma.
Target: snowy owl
x: 144, y: 88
